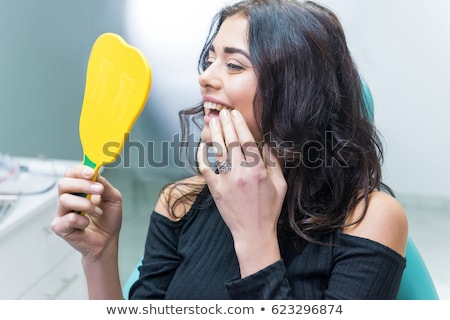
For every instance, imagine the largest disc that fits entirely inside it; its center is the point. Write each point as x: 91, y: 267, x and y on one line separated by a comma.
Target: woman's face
x: 229, y: 81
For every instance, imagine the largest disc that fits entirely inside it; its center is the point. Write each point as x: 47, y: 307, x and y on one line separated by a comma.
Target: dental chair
x: 416, y: 283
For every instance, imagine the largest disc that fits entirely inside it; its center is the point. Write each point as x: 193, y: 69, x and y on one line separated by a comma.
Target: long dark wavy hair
x: 310, y: 109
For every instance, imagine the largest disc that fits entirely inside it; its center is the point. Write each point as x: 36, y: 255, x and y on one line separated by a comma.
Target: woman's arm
x: 368, y: 260
x: 250, y: 196
x: 385, y: 222
x: 102, y: 274
x: 95, y: 234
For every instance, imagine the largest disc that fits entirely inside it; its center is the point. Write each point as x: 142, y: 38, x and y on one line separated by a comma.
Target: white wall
x: 402, y: 49
x: 44, y: 51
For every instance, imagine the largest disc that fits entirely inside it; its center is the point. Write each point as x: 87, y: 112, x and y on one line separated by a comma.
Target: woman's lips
x: 212, y: 110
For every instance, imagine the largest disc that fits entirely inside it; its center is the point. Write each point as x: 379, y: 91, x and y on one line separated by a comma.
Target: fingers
x: 223, y: 138
x: 109, y: 194
x: 203, y: 163
x: 233, y: 136
x: 274, y: 169
x: 229, y: 133
x: 68, y: 202
x: 246, y: 143
x: 66, y: 225
x: 77, y: 185
x: 218, y: 141
x: 78, y: 181
x: 80, y: 171
x: 233, y: 141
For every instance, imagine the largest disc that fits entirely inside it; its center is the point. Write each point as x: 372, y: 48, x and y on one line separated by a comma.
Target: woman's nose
x: 210, y: 78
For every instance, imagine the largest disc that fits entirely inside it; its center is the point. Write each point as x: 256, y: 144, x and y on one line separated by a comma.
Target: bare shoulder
x: 385, y: 222
x: 176, y: 200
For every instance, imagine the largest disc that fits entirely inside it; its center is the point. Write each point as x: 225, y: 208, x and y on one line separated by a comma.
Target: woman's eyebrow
x: 230, y: 50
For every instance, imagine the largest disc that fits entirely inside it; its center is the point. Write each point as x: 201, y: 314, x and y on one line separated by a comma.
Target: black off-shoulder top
x: 194, y: 258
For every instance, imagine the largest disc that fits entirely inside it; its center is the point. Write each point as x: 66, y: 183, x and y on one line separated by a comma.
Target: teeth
x: 212, y: 105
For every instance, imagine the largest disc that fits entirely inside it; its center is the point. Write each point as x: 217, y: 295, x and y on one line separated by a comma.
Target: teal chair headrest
x: 368, y: 100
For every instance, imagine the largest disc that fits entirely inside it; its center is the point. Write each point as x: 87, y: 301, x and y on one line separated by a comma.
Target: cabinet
x: 34, y: 262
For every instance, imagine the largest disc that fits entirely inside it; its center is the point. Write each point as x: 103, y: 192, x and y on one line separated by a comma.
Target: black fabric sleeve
x: 364, y: 270
x: 360, y: 269
x: 160, y: 259
x: 268, y: 283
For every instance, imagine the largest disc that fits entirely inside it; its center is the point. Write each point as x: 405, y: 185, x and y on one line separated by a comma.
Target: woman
x: 295, y: 207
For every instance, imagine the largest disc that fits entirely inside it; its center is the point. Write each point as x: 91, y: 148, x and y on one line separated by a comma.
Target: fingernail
x: 234, y: 113
x: 98, y: 210
x: 88, y: 172
x: 96, y: 187
x: 225, y: 114
x: 213, y: 122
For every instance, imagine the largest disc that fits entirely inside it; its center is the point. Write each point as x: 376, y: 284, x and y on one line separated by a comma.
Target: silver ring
x: 223, y: 166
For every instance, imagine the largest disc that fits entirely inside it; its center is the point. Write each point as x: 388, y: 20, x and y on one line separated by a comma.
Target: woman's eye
x: 234, y: 67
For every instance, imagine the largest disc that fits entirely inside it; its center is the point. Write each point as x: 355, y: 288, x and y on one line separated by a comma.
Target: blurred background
x: 402, y: 49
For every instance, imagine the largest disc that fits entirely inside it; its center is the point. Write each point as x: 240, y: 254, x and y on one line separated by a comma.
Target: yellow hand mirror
x: 118, y: 82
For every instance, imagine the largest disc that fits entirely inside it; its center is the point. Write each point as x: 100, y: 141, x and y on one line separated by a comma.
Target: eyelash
x: 230, y: 66
x: 234, y: 67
